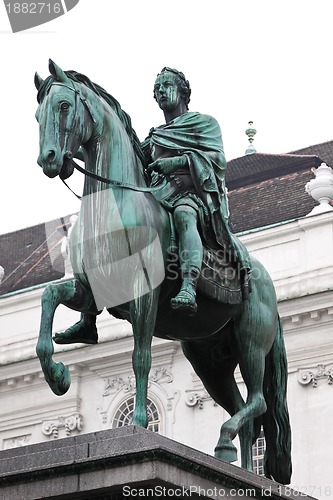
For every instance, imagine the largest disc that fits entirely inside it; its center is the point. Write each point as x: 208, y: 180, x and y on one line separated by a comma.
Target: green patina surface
x: 127, y: 223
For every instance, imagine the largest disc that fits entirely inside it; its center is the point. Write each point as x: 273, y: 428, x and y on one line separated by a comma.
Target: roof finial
x: 250, y: 132
x: 321, y: 189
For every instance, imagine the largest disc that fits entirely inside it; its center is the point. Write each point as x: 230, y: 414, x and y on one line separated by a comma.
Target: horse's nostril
x: 50, y: 156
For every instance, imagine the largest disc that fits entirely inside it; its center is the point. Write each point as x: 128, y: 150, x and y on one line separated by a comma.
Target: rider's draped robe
x: 199, y: 137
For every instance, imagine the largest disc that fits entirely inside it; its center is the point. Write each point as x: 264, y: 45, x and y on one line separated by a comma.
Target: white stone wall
x: 299, y: 257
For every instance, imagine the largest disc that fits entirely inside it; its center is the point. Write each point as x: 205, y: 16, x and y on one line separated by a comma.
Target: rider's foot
x: 79, y: 333
x: 185, y: 300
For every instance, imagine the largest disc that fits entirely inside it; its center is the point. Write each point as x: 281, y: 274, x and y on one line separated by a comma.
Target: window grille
x: 124, y: 414
x: 258, y: 452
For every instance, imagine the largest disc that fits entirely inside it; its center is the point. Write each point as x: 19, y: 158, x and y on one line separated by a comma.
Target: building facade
x: 270, y: 212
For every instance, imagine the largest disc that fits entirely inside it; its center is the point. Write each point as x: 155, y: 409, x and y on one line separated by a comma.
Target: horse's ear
x: 38, y: 81
x: 57, y: 72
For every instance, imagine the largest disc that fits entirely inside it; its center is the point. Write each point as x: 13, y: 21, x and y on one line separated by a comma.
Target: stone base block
x: 129, y: 462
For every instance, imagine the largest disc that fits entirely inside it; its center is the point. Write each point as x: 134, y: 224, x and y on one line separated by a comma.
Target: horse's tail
x: 276, y: 419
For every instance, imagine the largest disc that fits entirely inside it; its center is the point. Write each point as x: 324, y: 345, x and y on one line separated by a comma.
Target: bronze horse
x: 124, y: 219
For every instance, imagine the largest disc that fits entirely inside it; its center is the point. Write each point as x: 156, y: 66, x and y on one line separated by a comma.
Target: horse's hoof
x: 61, y: 380
x: 227, y: 453
x: 140, y: 419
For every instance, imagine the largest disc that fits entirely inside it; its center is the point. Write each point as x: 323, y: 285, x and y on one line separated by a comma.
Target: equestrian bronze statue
x: 152, y: 245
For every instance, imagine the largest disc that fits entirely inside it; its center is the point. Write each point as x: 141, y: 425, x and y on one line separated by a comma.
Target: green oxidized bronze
x: 188, y: 150
x: 152, y: 246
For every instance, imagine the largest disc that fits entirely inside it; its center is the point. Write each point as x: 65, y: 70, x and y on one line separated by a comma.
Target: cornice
x: 15, y: 418
x: 119, y: 361
x: 24, y: 374
x: 25, y: 300
x: 308, y: 357
x: 276, y: 231
x: 308, y: 310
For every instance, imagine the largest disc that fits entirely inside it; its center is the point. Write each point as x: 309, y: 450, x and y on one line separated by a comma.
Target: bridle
x: 110, y: 182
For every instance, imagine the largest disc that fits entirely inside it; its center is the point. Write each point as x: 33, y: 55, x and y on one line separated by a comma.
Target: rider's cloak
x: 199, y: 137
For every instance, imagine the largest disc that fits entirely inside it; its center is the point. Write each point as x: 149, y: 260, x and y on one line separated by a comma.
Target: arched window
x: 124, y: 413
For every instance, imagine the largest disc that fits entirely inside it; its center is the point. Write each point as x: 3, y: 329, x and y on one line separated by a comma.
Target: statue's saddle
x: 220, y: 278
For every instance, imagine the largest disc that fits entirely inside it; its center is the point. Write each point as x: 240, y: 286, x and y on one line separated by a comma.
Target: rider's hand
x: 168, y: 165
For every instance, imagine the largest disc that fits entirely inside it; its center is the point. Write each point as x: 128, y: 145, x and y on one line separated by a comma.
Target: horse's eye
x: 64, y: 106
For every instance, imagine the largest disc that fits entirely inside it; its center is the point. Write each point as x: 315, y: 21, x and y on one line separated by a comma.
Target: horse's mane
x: 98, y: 90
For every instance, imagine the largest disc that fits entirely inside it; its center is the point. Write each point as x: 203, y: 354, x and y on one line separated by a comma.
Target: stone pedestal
x: 129, y: 462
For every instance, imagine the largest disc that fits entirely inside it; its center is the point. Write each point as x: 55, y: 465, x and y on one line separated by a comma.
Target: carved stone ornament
x: 68, y: 424
x: 197, y: 397
x: 159, y: 375
x: 311, y: 376
x: 113, y: 385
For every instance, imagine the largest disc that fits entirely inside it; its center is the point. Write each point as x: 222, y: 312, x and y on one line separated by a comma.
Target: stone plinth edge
x: 123, y: 463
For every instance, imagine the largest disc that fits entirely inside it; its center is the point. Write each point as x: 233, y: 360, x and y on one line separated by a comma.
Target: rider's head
x: 182, y: 84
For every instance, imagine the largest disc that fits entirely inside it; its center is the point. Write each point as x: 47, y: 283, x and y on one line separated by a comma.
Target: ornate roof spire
x: 250, y: 132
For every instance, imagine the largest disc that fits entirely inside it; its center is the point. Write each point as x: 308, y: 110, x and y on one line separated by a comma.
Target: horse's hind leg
x: 215, y: 365
x: 252, y: 365
x: 246, y: 434
x: 72, y: 294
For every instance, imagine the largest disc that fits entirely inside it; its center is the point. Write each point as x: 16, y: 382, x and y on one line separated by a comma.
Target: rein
x: 112, y: 182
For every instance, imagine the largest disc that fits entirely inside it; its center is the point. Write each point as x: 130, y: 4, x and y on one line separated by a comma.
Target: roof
x: 263, y: 189
x: 31, y: 256
x: 257, y: 167
x: 270, y: 202
x: 323, y: 150
x: 267, y: 189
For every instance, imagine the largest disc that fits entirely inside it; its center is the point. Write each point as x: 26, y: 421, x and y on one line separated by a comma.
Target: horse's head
x: 63, y: 121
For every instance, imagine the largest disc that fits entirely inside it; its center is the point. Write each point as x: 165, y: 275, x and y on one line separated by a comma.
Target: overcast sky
x: 262, y: 60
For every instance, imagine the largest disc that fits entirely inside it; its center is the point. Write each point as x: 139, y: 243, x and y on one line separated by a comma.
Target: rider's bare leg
x: 84, y: 331
x: 190, y: 258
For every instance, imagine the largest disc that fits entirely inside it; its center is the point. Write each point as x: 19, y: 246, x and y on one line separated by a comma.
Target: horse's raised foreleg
x: 72, y: 294
x: 143, y: 316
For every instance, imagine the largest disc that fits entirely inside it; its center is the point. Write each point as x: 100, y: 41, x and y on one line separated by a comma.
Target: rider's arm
x: 169, y: 165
